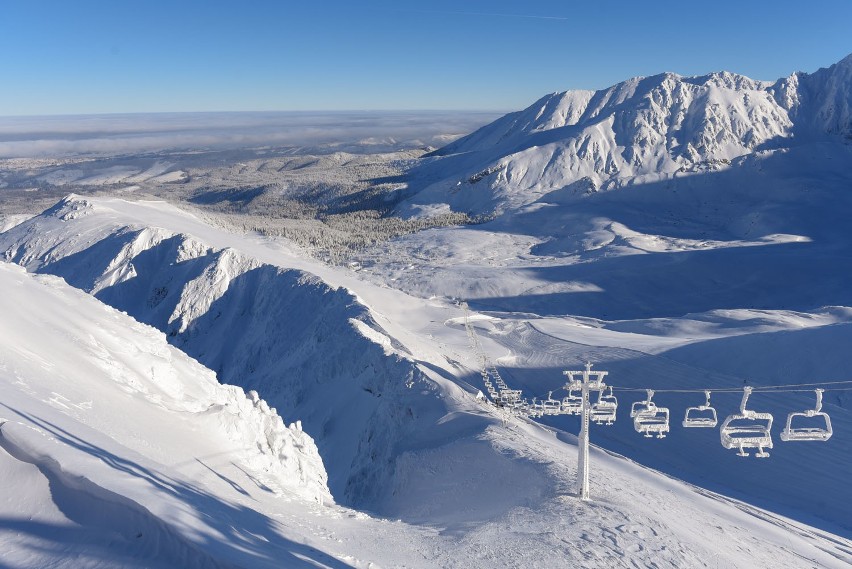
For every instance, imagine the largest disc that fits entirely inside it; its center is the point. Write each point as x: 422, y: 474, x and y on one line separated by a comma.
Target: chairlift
x: 637, y: 407
x: 551, y: 406
x: 536, y: 409
x: 812, y: 433
x: 747, y: 429
x: 701, y: 416
x: 516, y: 407
x: 603, y: 410
x: 651, y: 419
x: 509, y: 397
x: 572, y: 404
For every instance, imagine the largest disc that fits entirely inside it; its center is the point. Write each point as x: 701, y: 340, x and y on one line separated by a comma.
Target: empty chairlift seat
x: 536, y: 409
x: 604, y: 409
x: 636, y: 407
x: 747, y: 429
x: 820, y: 431
x: 650, y: 420
x: 701, y: 416
x: 572, y: 404
x: 551, y: 406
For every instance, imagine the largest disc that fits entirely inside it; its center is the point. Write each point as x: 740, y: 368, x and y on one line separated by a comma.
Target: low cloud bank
x: 29, y: 137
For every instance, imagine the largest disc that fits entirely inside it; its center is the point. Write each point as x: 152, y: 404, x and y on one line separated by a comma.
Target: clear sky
x: 82, y: 56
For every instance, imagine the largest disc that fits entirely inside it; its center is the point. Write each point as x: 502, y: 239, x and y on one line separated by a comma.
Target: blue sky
x: 64, y: 57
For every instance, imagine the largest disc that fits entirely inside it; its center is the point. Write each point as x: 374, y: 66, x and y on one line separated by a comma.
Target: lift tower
x: 587, y: 381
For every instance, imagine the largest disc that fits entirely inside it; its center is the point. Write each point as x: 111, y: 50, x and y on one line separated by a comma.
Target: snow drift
x: 114, y: 420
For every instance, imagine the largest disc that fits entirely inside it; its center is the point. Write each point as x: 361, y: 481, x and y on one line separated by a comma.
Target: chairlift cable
x: 784, y: 388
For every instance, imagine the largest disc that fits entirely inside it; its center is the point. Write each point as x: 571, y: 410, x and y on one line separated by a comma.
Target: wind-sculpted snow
x: 645, y: 129
x: 281, y: 332
x: 140, y: 362
x: 145, y: 540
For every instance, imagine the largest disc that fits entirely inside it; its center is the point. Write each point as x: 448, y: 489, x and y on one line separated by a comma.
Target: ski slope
x: 467, y: 490
x: 681, y: 233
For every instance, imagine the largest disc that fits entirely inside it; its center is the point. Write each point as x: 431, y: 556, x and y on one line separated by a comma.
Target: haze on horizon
x: 92, y: 58
x: 111, y: 134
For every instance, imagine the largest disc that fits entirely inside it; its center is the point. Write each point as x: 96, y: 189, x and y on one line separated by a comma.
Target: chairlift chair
x: 637, y: 407
x: 572, y: 404
x: 551, y: 406
x: 701, y: 416
x: 521, y: 408
x: 536, y: 409
x: 651, y: 420
x: 812, y: 433
x: 509, y: 397
x: 750, y: 429
x: 603, y: 410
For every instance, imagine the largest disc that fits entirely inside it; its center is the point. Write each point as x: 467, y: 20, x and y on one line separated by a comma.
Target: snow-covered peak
x: 823, y: 104
x: 551, y: 111
x: 641, y: 130
x: 667, y: 95
x: 71, y: 207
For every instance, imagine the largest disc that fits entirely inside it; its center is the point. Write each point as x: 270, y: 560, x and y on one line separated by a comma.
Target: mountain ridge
x: 644, y: 129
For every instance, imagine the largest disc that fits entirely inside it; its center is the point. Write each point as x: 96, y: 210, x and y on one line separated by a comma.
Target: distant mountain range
x: 644, y: 129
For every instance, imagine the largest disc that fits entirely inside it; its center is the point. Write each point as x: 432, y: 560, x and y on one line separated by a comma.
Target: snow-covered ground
x: 118, y: 450
x: 451, y: 467
x: 714, y: 257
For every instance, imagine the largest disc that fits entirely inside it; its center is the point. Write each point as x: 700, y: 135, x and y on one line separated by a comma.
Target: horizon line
x: 236, y: 112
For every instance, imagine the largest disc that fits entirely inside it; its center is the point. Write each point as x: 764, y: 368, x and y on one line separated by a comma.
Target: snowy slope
x: 157, y: 377
x: 109, y: 465
x: 334, y: 365
x: 728, y: 274
x: 10, y: 221
x: 120, y: 432
x: 304, y: 345
x: 644, y: 130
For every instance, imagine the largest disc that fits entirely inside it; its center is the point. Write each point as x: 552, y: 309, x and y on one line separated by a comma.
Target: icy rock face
x: 641, y: 130
x: 820, y: 102
x: 284, y: 333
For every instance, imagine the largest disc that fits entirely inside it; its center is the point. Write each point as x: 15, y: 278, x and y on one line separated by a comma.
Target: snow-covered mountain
x: 753, y: 247
x: 121, y: 456
x: 303, y: 344
x: 643, y: 130
x: 719, y: 260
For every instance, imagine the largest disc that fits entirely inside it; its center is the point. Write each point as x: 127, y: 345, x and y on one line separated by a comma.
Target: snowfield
x: 176, y: 393
x: 449, y: 465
